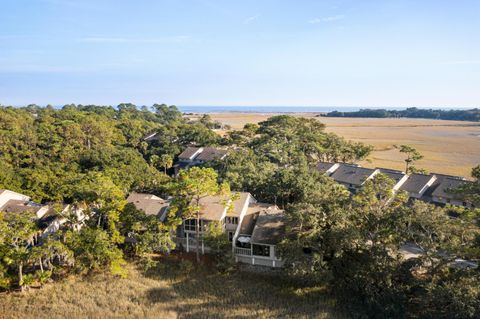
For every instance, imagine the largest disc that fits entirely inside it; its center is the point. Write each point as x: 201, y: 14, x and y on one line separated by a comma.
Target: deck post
x: 203, y: 248
x: 188, y: 250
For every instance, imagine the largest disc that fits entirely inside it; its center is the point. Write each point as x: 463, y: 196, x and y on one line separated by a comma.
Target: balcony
x: 243, y: 251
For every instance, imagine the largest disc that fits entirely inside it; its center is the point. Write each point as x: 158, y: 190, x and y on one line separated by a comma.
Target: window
x: 189, y: 224
x: 232, y: 220
x: 261, y: 250
x: 230, y: 236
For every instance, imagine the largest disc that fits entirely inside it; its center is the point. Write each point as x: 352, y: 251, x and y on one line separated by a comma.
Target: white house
x: 214, y: 208
x: 48, y: 219
x: 255, y: 241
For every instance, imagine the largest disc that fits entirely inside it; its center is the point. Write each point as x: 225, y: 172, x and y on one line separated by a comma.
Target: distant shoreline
x: 293, y: 109
x: 465, y: 115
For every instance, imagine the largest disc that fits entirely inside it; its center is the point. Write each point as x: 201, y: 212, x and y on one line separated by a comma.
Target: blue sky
x: 243, y: 52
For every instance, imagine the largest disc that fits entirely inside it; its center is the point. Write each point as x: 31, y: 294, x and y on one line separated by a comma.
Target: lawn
x: 171, y: 290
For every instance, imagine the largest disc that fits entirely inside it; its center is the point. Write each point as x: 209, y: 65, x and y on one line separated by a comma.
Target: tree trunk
x: 20, y: 276
x: 197, y: 235
x: 41, y: 264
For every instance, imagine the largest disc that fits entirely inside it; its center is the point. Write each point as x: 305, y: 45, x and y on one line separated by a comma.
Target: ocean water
x: 266, y: 109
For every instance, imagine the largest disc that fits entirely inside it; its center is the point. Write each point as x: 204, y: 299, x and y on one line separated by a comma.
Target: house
x: 256, y: 239
x: 440, y: 191
x: 12, y: 202
x: 398, y: 177
x: 7, y: 195
x: 214, y: 209
x: 434, y: 188
x: 253, y: 228
x: 150, y: 204
x: 411, y: 251
x: 47, y: 217
x: 353, y: 176
x: 327, y: 168
x: 195, y: 156
x: 417, y: 184
x: 52, y: 221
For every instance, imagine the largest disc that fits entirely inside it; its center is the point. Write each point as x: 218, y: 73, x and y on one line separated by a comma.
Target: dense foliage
x: 94, y: 156
x: 352, y: 244
x: 413, y: 112
x: 273, y: 159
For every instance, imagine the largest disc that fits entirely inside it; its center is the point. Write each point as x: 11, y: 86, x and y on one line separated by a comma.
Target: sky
x: 375, y: 53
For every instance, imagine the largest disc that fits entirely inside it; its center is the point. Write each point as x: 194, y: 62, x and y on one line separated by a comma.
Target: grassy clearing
x: 170, y: 291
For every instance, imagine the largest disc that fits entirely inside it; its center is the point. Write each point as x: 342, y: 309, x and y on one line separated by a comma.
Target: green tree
x: 190, y: 187
x: 166, y: 161
x: 220, y: 247
x: 147, y: 234
x: 93, y: 250
x: 472, y: 190
x: 349, y: 243
x: 412, y: 156
x: 19, y: 233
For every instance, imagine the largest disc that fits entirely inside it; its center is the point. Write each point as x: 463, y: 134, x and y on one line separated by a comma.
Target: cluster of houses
x: 433, y: 188
x: 253, y: 228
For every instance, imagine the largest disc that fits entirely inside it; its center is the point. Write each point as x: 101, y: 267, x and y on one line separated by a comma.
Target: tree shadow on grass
x: 202, y: 293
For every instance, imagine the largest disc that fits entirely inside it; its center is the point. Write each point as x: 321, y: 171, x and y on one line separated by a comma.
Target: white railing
x: 243, y: 251
x: 191, y: 245
x: 259, y: 261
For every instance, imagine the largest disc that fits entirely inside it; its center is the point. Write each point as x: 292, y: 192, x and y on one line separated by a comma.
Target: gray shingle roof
x: 269, y: 228
x: 211, y: 154
x: 188, y: 153
x: 248, y: 223
x: 150, y: 204
x: 250, y: 218
x: 239, y: 203
x: 447, y: 183
x: 393, y: 174
x: 323, y: 167
x: 18, y: 206
x: 213, y: 207
x: 439, y: 178
x: 415, y: 183
x: 352, y: 174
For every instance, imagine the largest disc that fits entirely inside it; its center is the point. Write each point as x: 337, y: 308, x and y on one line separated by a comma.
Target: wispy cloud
x: 170, y: 39
x: 327, y: 19
x: 251, y: 19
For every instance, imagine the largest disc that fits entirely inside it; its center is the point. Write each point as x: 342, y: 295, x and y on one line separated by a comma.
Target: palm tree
x: 166, y: 161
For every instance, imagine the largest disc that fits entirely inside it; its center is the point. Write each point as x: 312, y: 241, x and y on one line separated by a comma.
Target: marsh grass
x: 449, y: 147
x: 170, y: 290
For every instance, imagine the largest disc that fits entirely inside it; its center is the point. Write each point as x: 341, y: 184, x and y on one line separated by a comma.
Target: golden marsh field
x: 449, y: 147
